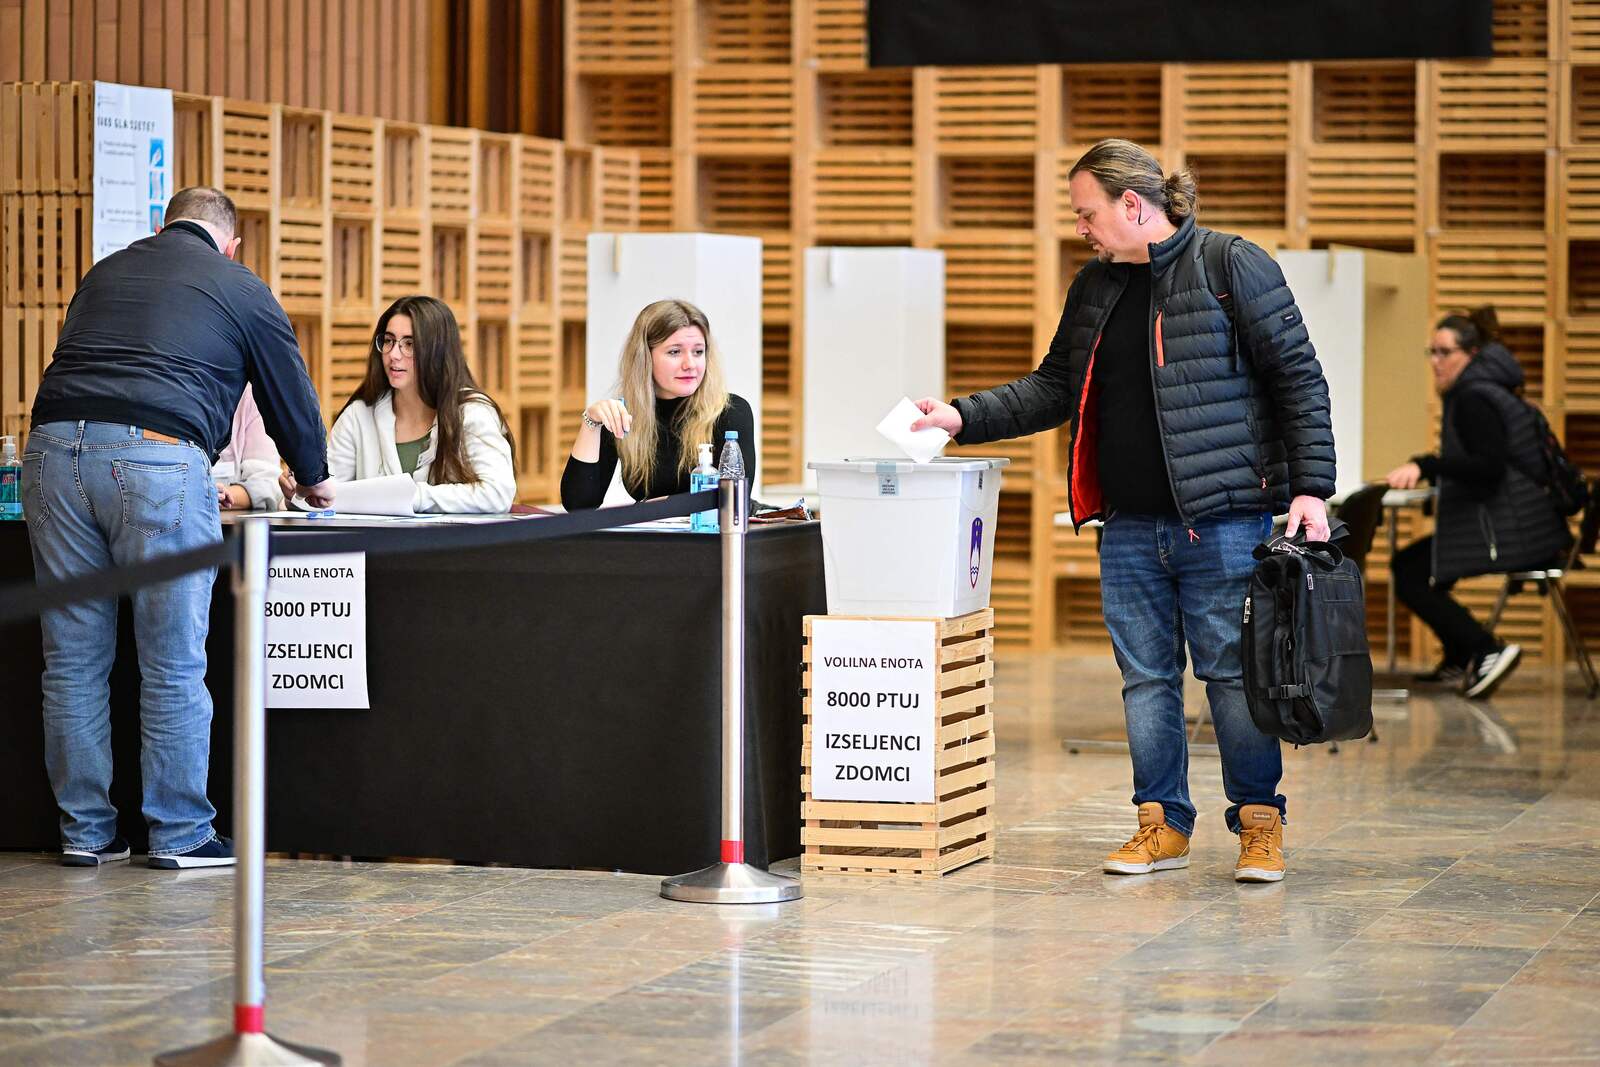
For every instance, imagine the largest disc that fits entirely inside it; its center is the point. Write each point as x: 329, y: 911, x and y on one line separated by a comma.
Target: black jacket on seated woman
x: 669, y: 399
x: 1493, y: 515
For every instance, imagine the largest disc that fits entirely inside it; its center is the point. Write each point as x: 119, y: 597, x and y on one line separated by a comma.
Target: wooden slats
x: 363, y: 57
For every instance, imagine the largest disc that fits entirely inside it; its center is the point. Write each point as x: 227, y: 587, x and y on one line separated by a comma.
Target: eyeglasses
x: 387, y: 342
x: 1439, y: 353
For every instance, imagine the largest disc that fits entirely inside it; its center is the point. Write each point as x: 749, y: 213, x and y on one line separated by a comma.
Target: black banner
x: 910, y: 33
x: 23, y: 600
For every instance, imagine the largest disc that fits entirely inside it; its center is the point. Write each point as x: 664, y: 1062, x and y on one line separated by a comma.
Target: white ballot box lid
x: 905, y: 466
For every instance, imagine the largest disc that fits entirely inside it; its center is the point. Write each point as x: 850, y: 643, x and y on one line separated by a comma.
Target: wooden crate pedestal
x: 957, y: 828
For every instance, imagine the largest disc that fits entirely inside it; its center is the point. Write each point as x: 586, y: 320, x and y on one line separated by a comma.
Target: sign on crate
x: 317, y: 631
x: 874, y: 709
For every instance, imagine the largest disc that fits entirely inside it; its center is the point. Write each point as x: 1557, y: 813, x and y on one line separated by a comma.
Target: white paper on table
x: 920, y: 445
x: 389, y: 495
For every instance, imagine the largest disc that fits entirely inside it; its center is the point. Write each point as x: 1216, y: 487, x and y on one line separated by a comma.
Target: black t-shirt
x: 1133, y: 470
x: 583, y: 485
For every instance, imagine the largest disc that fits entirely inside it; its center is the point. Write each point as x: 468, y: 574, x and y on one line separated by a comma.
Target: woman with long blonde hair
x: 669, y: 398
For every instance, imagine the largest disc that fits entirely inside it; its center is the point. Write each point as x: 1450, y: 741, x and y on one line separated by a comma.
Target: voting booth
x: 718, y: 273
x: 1367, y: 312
x: 874, y: 332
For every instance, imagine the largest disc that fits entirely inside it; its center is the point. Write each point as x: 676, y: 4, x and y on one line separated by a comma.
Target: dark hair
x: 1118, y: 165
x: 443, y: 379
x: 204, y: 204
x: 1474, y: 329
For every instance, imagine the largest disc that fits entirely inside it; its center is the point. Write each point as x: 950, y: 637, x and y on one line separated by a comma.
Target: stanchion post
x: 732, y: 881
x: 249, y: 1044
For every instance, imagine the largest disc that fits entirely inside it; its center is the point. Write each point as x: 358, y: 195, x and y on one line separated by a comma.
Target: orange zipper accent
x: 1161, y: 351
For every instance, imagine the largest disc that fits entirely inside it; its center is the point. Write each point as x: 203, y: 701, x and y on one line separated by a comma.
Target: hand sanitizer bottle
x: 704, y: 476
x: 11, y: 479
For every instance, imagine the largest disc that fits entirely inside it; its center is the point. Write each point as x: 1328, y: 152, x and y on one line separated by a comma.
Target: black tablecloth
x: 553, y: 705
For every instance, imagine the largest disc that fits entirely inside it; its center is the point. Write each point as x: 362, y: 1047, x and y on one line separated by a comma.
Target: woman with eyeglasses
x: 419, y: 412
x: 1492, y: 515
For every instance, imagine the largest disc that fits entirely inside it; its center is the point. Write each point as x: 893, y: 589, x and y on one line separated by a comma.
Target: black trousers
x: 1463, y: 636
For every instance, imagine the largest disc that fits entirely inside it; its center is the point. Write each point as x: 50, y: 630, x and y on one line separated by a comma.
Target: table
x: 553, y: 705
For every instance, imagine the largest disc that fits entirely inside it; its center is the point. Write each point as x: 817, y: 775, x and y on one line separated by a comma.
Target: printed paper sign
x: 317, y: 631
x: 132, y: 164
x: 873, y: 709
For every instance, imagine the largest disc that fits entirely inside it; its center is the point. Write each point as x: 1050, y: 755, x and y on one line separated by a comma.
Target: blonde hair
x: 1119, y: 165
x: 695, y: 421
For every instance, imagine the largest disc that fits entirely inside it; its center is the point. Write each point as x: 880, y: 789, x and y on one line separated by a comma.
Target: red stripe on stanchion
x: 249, y: 1018
x: 733, y: 852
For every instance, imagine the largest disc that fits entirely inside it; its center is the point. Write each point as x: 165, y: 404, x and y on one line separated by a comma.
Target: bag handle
x: 1325, y: 554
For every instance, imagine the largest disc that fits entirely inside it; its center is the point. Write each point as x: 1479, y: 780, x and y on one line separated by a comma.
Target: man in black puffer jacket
x: 1494, y: 515
x: 1185, y: 441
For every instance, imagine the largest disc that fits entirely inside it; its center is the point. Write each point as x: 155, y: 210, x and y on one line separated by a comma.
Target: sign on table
x: 317, y: 631
x: 873, y: 709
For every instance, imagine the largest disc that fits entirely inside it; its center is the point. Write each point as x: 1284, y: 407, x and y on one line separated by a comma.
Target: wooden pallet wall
x: 340, y: 215
x: 764, y: 118
x: 366, y: 57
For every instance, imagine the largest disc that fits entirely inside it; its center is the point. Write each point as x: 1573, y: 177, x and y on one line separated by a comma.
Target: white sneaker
x: 1489, y: 670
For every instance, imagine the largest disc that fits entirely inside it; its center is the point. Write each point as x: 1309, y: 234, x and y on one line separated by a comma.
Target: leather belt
x: 152, y: 435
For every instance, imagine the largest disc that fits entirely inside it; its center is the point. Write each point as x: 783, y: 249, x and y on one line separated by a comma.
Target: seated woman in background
x: 1492, y: 515
x: 420, y: 413
x: 669, y: 398
x: 246, y: 473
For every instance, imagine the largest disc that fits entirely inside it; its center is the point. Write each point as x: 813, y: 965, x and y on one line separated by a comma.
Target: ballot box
x: 908, y: 539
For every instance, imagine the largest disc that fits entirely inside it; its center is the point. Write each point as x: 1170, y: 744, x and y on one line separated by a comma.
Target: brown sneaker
x: 1260, y: 844
x: 1156, y: 847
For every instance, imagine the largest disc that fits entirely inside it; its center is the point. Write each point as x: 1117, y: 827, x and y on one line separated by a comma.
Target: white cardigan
x: 362, y: 445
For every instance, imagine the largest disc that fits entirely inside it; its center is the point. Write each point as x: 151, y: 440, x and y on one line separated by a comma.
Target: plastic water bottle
x: 731, y: 463
x: 10, y: 479
x: 704, y: 476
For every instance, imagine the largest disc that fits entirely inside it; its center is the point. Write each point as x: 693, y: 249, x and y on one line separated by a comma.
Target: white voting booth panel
x: 908, y: 539
x: 718, y: 273
x: 1366, y: 313
x: 1330, y: 298
x: 874, y: 332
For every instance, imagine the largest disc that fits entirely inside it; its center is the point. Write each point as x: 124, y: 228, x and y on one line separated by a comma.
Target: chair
x: 1548, y: 583
x: 1361, y: 512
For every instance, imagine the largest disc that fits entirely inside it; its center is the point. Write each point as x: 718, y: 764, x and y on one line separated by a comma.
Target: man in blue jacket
x: 133, y: 409
x: 1191, y: 424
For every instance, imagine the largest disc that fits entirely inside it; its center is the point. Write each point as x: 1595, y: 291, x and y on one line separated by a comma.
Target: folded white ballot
x: 920, y: 445
x: 390, y: 495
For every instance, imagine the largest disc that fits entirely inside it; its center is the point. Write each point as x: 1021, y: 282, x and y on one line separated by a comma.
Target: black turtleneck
x: 583, y: 485
x: 1133, y: 467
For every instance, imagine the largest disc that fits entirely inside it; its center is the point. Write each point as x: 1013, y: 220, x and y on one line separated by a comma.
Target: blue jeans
x: 98, y: 495
x: 1160, y: 584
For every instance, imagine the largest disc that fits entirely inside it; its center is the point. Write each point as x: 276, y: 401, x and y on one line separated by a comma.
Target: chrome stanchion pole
x: 249, y: 1044
x: 732, y: 881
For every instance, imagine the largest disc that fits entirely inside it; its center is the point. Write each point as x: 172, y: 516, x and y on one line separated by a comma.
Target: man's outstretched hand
x: 937, y: 413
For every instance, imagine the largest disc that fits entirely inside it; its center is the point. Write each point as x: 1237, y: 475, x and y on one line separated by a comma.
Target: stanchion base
x: 731, y: 883
x: 247, y: 1050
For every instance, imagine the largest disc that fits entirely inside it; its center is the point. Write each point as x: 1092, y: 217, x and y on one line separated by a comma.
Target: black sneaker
x: 1489, y: 670
x: 218, y: 852
x: 1445, y: 673
x: 115, y: 852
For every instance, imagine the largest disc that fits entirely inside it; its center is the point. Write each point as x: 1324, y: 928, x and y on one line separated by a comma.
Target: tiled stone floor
x: 1441, y: 908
